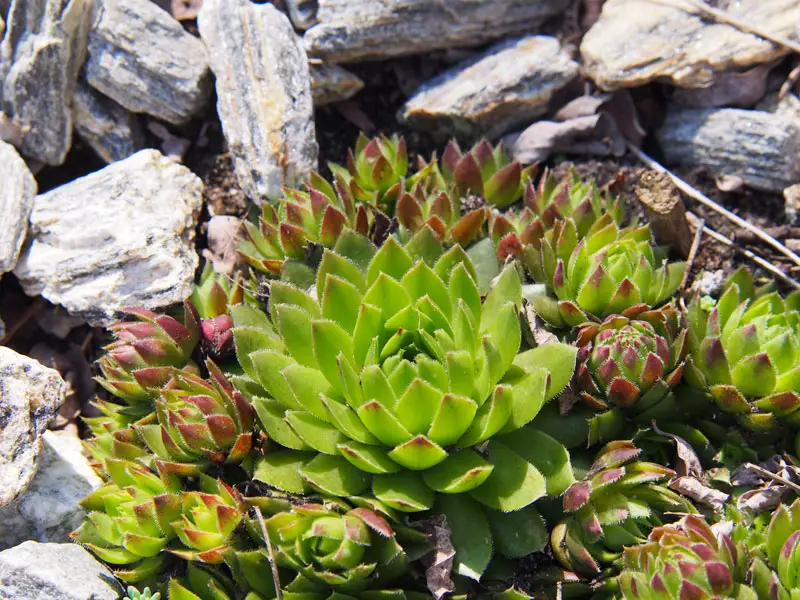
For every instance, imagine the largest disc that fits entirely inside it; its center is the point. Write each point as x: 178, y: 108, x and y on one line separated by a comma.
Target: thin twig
x: 722, y: 16
x: 276, y: 580
x: 706, y: 201
x: 770, y: 475
x: 698, y: 235
x: 694, y: 220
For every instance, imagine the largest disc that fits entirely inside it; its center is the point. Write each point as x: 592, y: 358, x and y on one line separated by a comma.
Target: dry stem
x: 694, y: 221
x: 692, y: 252
x: 706, y: 201
x: 273, y: 565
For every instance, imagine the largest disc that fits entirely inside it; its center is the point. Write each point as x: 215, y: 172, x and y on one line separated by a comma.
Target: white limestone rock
x: 33, y: 571
x: 122, y: 236
x: 332, y: 83
x: 143, y: 59
x: 263, y: 94
x: 40, y: 56
x: 17, y: 191
x: 30, y: 395
x: 48, y: 510
x: 509, y: 85
x: 303, y: 13
x: 111, y: 131
x: 353, y: 30
x: 761, y: 148
x: 638, y: 41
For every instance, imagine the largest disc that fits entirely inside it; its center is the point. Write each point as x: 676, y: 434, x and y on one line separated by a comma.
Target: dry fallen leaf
x: 693, y: 488
x: 743, y: 89
x: 774, y: 479
x: 763, y: 499
x: 224, y: 234
x: 536, y: 331
x: 588, y: 125
x: 440, y: 562
x: 689, y: 464
x: 172, y: 146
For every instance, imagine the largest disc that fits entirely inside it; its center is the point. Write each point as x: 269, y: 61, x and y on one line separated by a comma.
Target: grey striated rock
x: 263, y: 94
x: 332, y: 83
x: 111, y: 131
x: 30, y: 394
x: 352, y: 30
x: 40, y: 56
x: 509, y: 85
x: 761, y: 148
x: 123, y: 236
x: 303, y: 13
x: 33, y: 571
x: 48, y: 510
x: 637, y: 41
x: 141, y: 57
x: 17, y: 191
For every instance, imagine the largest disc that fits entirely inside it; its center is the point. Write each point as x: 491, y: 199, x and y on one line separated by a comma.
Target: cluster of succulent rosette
x: 421, y: 376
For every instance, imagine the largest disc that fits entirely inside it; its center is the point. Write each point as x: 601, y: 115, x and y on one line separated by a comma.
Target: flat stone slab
x: 40, y: 56
x: 30, y: 395
x: 17, y: 191
x: 332, y: 83
x: 353, y: 30
x: 143, y: 59
x: 48, y: 510
x: 263, y: 94
x: 761, y: 148
x: 33, y: 571
x: 506, y: 87
x: 638, y: 41
x: 110, y: 130
x: 122, y: 236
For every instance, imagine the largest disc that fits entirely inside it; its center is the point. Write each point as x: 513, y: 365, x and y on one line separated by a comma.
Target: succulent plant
x: 547, y: 202
x: 397, y: 377
x: 129, y: 520
x: 485, y: 171
x: 427, y: 205
x: 613, y: 507
x: 630, y: 367
x: 142, y: 357
x: 145, y: 594
x: 375, y: 171
x: 776, y: 572
x: 609, y: 271
x: 213, y: 296
x: 316, y: 216
x: 745, y: 351
x: 208, y: 520
x: 200, y: 419
x: 206, y: 582
x: 339, y: 548
x: 686, y: 560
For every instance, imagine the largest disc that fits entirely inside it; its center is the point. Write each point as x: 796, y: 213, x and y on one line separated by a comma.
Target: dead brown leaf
x: 172, y: 146
x: 742, y: 89
x: 588, y: 125
x: 689, y: 464
x: 536, y: 331
x: 439, y: 564
x: 224, y: 234
x: 763, y: 499
x: 693, y: 488
x: 351, y: 111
